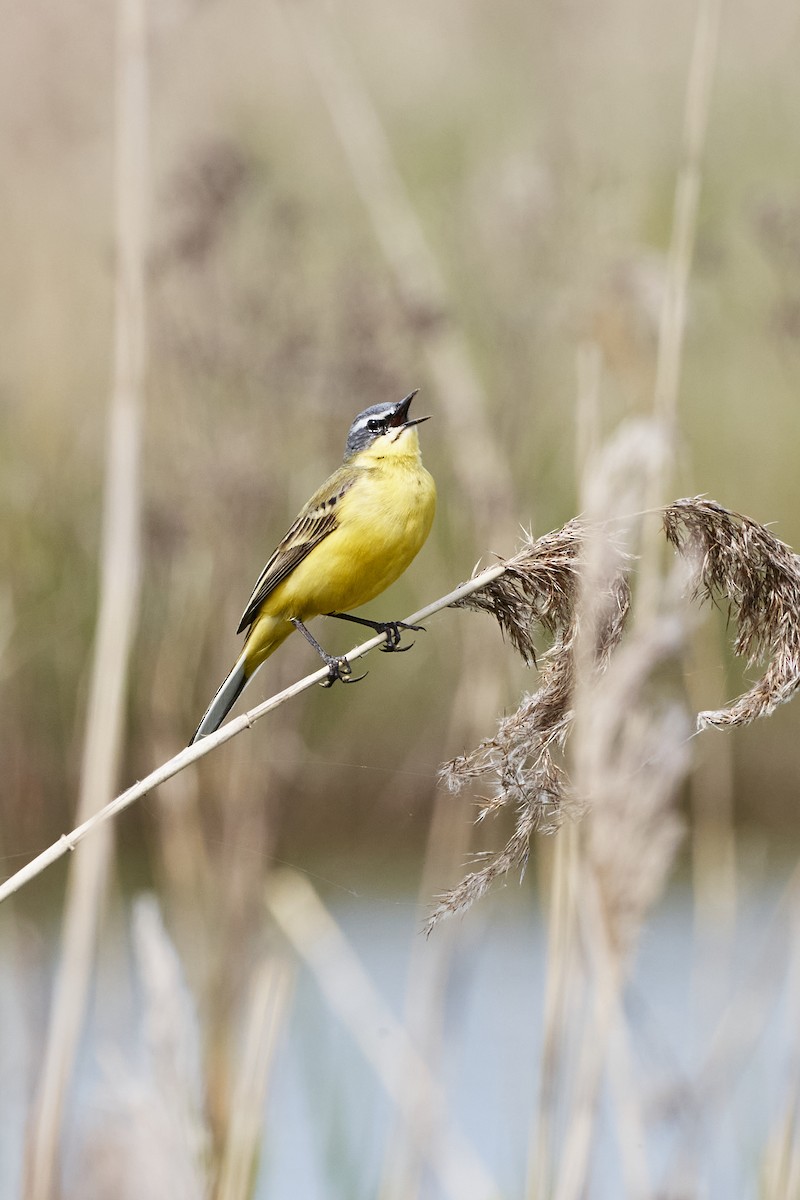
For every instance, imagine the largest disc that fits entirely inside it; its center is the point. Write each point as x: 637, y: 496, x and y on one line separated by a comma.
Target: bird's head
x: 383, y: 430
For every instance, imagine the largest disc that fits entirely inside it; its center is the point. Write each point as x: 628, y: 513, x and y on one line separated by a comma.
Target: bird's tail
x: 227, y: 694
x: 265, y: 635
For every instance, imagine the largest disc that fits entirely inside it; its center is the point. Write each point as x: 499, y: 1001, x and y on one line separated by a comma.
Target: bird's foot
x: 391, y: 630
x: 339, y: 668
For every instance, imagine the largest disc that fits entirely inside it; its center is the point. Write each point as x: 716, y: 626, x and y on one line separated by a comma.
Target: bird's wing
x: 318, y: 518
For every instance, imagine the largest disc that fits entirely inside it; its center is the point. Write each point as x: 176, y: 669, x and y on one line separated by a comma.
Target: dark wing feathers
x: 312, y: 526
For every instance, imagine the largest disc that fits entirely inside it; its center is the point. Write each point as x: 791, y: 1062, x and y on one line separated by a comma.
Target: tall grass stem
x: 192, y: 754
x: 118, y: 602
x: 384, y: 1042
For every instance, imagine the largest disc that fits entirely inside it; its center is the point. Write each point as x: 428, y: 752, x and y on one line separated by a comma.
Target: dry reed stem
x: 713, y: 847
x: 187, y: 868
x: 560, y: 996
x: 639, y: 757
x: 562, y: 984
x: 426, y: 994
x: 630, y: 746
x: 266, y: 1015
x: 146, y: 1135
x: 119, y: 591
x: 712, y: 801
x: 238, y: 915
x: 672, y: 324
x: 574, y: 1154
x: 629, y: 752
x: 589, y: 363
x: 384, y: 1042
x: 781, y: 1167
x: 619, y: 731
x: 630, y: 1121
x: 600, y: 1037
x: 233, y: 728
x: 684, y: 221
x: 173, y: 1045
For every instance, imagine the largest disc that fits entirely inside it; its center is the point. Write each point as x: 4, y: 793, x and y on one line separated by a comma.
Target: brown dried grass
x: 732, y: 559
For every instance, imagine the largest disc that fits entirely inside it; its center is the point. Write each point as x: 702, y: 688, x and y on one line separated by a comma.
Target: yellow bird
x: 354, y: 537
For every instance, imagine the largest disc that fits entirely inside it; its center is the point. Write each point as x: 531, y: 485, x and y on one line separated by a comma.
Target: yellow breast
x: 383, y: 521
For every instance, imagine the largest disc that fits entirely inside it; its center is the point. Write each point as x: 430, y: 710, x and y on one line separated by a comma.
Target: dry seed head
x: 641, y: 750
x: 740, y: 563
x: 523, y: 760
x: 631, y: 755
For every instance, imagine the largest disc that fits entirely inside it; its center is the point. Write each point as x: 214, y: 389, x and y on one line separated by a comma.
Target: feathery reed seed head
x: 739, y: 562
x: 731, y: 559
x: 540, y: 587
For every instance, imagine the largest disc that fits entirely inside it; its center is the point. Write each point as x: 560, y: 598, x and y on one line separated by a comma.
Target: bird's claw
x: 391, y: 629
x: 339, y: 668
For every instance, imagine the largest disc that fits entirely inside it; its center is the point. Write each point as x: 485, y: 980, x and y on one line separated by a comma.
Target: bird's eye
x: 374, y: 425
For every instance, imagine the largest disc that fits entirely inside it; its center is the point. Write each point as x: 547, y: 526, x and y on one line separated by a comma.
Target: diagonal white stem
x: 191, y: 754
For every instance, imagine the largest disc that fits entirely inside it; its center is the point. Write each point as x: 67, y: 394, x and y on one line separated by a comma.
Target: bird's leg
x: 338, y: 668
x: 390, y: 629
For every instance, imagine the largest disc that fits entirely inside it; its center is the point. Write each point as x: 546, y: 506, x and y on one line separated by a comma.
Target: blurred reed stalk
x: 713, y: 839
x: 562, y: 984
x: 672, y: 322
x: 175, y: 1143
x: 781, y: 1166
x: 385, y: 1043
x: 233, y: 937
x: 185, y: 861
x: 118, y: 603
x: 267, y: 1010
x: 611, y: 891
x: 429, y: 971
x: 629, y: 754
x: 713, y: 836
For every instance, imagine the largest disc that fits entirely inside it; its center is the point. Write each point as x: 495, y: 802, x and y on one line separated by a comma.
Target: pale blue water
x: 327, y: 1118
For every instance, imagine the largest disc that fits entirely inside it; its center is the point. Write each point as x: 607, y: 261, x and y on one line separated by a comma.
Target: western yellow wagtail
x: 355, y: 536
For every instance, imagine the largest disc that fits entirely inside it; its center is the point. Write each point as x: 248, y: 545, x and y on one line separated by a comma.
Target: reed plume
x: 730, y: 559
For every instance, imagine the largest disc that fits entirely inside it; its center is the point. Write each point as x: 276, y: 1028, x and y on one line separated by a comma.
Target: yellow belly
x: 383, y: 522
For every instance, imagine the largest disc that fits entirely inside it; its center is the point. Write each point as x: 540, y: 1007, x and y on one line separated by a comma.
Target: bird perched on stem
x: 354, y: 537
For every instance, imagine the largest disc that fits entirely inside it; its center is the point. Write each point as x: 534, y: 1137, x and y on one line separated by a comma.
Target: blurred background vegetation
x: 538, y: 145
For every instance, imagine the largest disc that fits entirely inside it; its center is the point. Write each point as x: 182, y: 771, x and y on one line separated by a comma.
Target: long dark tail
x: 227, y: 695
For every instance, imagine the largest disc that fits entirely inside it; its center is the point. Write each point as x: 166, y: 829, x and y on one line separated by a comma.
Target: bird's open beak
x: 399, y: 418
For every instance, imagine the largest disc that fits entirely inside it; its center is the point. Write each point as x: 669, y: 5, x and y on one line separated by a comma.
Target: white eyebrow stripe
x: 361, y: 422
